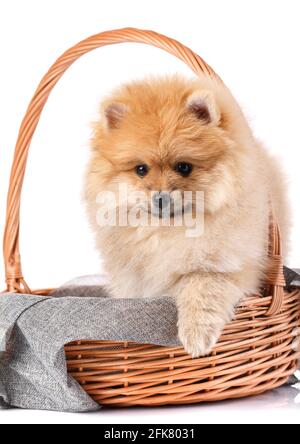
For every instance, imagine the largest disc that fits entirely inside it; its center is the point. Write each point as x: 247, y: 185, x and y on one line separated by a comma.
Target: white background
x: 254, y: 47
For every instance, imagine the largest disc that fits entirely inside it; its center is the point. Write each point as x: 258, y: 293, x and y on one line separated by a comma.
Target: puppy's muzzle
x: 162, y: 205
x: 162, y: 202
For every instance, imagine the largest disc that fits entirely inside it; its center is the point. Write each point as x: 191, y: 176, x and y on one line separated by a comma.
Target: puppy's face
x: 162, y: 139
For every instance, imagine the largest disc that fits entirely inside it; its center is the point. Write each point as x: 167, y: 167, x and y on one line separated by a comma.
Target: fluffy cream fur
x: 159, y: 122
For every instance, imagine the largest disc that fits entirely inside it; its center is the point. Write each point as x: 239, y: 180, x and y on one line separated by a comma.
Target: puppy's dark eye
x: 142, y: 170
x: 184, y: 169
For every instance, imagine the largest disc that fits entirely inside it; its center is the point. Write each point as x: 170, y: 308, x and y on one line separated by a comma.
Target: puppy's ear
x: 114, y: 114
x: 203, y: 105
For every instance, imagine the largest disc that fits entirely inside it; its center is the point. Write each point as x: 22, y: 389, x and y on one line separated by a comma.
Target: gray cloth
x: 34, y: 330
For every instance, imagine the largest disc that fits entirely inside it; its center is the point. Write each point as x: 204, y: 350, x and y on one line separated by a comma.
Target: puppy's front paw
x: 199, y: 339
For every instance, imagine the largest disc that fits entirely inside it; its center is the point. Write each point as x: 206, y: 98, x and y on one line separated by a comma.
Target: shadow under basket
x: 256, y: 352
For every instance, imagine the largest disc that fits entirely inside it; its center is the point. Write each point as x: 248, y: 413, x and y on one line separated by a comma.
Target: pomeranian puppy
x: 163, y: 139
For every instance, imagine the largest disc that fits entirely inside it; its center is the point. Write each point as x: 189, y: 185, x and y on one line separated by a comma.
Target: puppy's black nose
x: 161, y: 200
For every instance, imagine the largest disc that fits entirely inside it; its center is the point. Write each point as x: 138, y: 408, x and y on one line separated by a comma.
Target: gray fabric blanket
x: 34, y: 330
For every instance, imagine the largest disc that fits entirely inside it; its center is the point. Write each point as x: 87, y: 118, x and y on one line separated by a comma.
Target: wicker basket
x: 255, y: 353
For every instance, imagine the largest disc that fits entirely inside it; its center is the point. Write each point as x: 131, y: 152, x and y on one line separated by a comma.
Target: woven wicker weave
x: 255, y: 353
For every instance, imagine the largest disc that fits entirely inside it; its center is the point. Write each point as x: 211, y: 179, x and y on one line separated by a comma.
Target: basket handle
x: 13, y: 270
